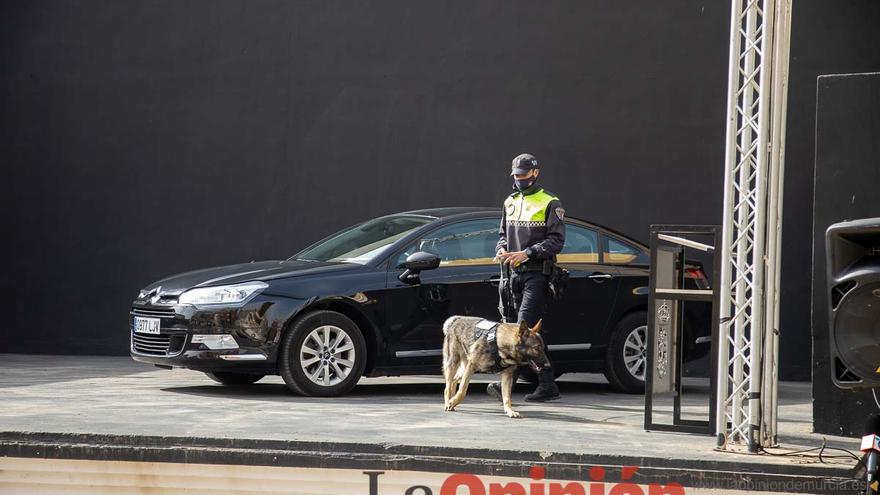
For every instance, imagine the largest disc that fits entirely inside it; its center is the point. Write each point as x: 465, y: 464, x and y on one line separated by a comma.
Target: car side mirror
x: 415, y: 263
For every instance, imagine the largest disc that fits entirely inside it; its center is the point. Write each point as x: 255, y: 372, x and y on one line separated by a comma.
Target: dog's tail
x: 448, y: 324
x: 450, y: 356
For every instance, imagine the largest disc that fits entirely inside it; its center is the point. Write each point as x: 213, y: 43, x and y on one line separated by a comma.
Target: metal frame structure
x: 753, y: 181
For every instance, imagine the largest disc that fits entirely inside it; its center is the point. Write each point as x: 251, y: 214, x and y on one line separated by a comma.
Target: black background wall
x: 144, y: 138
x: 847, y: 181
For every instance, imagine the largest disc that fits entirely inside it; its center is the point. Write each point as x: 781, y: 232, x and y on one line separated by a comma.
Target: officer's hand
x: 514, y: 258
x: 499, y: 254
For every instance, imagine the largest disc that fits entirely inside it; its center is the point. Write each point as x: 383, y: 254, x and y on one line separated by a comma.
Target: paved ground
x: 114, y: 395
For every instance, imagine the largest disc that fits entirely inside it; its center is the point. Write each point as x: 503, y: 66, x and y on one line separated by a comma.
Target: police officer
x: 532, y: 233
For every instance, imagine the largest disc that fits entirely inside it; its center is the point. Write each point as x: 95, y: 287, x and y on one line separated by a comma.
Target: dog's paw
x: 448, y: 407
x: 512, y: 414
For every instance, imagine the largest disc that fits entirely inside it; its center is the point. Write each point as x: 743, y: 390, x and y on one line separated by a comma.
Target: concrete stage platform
x: 111, y: 408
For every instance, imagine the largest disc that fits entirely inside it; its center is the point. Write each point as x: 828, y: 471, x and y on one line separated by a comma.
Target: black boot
x: 494, y: 388
x: 547, y: 389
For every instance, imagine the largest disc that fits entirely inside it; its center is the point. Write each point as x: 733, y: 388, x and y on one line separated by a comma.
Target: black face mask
x: 523, y: 184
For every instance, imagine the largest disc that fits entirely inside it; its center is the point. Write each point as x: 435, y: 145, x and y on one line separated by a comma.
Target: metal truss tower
x: 753, y: 177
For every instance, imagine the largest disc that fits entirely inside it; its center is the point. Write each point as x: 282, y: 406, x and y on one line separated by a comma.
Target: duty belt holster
x: 558, y: 280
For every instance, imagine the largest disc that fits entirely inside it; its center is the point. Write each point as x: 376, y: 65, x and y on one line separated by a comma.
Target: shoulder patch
x: 560, y: 212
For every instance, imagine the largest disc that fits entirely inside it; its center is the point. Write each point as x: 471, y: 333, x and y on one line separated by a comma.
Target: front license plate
x: 146, y: 325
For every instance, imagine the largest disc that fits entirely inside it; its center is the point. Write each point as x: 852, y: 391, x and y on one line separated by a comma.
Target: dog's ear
x: 523, y: 328
x: 537, y: 328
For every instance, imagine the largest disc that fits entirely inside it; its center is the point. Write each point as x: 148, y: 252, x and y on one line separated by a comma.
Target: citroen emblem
x: 155, y: 298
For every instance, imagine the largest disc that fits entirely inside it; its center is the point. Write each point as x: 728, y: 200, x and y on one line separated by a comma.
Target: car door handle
x: 599, y: 276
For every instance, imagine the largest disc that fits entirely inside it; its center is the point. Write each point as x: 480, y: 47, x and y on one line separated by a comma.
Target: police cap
x: 522, y: 164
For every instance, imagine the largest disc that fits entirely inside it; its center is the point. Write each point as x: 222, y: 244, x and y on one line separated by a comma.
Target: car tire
x: 232, y: 378
x: 323, y: 354
x: 626, y: 360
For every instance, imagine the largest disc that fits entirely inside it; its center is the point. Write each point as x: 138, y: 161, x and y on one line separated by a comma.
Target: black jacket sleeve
x: 555, y: 239
x: 502, y: 233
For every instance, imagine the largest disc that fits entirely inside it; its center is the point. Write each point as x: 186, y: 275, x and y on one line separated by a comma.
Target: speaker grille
x: 856, y: 332
x: 853, y: 278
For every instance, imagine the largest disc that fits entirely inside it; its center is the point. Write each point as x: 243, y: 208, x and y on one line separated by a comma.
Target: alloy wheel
x: 635, y: 352
x: 327, y: 355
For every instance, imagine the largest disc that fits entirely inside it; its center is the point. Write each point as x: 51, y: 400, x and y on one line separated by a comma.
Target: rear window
x: 581, y: 245
x: 618, y: 252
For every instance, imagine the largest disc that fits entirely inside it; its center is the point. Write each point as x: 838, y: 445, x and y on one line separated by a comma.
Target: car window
x: 363, y: 242
x: 619, y: 252
x: 464, y: 243
x: 581, y: 245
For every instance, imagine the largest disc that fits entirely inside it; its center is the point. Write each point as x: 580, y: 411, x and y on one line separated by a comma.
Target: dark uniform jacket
x: 532, y: 219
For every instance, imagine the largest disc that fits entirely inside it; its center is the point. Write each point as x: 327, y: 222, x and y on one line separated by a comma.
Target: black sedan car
x: 371, y: 300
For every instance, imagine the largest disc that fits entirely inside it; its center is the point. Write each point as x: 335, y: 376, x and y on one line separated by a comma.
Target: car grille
x: 162, y: 344
x: 153, y: 312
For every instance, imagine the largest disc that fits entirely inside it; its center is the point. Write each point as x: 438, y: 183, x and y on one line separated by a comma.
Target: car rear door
x: 576, y: 323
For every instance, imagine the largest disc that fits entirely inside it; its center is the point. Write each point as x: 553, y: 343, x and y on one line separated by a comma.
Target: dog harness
x: 489, y: 330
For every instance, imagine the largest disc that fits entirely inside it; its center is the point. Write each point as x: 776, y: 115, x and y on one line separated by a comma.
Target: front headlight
x: 221, y: 295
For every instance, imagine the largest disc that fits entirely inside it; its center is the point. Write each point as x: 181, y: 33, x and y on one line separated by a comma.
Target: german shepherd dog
x: 475, y: 345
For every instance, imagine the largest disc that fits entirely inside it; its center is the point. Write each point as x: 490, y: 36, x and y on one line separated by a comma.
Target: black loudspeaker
x: 853, y: 263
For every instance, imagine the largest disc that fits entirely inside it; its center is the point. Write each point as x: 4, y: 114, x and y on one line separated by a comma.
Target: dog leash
x: 504, y: 282
x: 501, y: 293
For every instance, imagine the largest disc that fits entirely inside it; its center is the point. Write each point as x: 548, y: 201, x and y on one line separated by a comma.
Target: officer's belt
x: 530, y: 266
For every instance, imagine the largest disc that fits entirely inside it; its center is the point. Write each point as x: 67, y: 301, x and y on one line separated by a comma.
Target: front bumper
x: 255, y: 326
x: 201, y: 360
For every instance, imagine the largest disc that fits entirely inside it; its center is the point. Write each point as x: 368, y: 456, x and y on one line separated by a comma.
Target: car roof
x: 463, y: 211
x: 451, y: 211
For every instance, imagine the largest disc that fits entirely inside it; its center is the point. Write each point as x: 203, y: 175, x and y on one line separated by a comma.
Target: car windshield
x: 363, y: 242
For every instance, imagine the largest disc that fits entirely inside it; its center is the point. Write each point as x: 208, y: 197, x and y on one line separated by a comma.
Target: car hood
x: 244, y: 272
